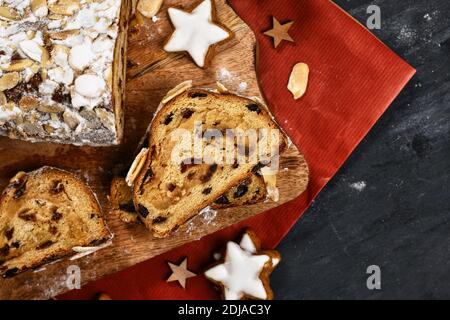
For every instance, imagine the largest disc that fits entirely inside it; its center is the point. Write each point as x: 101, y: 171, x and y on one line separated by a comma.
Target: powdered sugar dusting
x: 359, y: 186
x: 208, y: 215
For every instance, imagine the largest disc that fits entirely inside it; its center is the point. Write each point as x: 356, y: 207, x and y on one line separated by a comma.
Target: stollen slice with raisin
x: 44, y: 214
x: 172, y: 184
x: 250, y: 191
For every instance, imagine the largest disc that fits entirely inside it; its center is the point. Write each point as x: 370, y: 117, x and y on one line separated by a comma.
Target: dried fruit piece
x: 298, y: 81
x: 9, y: 81
x: 149, y: 8
x: 18, y: 65
x: 9, y: 14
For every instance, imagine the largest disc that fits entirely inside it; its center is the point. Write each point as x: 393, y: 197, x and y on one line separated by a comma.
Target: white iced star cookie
x: 251, y: 243
x: 196, y: 32
x: 244, y: 273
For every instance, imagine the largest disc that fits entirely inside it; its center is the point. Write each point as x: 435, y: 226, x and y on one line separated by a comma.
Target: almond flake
x: 18, y: 65
x: 31, y: 49
x: 63, y: 35
x: 175, y: 92
x: 9, y: 81
x: 39, y: 8
x: 3, y: 100
x: 221, y: 88
x: 137, y: 166
x: 65, y: 7
x: 8, y: 14
x: 149, y: 8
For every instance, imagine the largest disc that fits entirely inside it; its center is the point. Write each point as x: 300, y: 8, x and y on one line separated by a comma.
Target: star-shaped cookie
x: 251, y: 243
x: 280, y: 32
x: 196, y: 32
x: 180, y: 273
x: 243, y: 274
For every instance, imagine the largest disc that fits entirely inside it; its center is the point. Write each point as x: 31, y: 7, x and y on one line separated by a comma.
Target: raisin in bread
x: 43, y: 215
x: 252, y: 190
x: 171, y: 188
x: 62, y: 68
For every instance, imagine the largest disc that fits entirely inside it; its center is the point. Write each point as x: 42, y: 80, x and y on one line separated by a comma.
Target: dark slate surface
x: 400, y: 219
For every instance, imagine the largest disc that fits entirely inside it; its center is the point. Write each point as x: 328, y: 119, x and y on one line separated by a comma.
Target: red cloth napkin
x: 354, y: 78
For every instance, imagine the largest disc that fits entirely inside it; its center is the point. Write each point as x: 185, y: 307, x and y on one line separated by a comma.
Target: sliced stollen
x: 250, y: 191
x: 44, y: 214
x: 171, y: 182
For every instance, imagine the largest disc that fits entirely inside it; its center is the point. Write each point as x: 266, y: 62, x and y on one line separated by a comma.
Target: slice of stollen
x: 44, y: 214
x: 201, y: 144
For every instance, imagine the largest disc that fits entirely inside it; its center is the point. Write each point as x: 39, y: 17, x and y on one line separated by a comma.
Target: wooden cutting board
x: 151, y: 73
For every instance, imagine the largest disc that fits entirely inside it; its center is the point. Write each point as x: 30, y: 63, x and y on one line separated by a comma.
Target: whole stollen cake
x: 62, y: 70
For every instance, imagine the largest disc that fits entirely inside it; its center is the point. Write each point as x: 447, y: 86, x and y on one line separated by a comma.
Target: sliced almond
x: 35, y: 68
x: 9, y: 81
x: 137, y: 166
x: 3, y: 100
x: 8, y: 14
x: 44, y: 74
x: 28, y: 103
x: 45, y: 56
x: 39, y: 8
x: 149, y: 8
x: 221, y: 88
x: 175, y: 92
x: 34, y: 51
x: 65, y: 7
x: 18, y: 65
x: 55, y: 108
x: 63, y: 35
x: 10, y: 106
x: 298, y: 81
x: 70, y: 119
x: 109, y: 77
x: 53, y: 16
x: 106, y: 118
x: 31, y: 34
